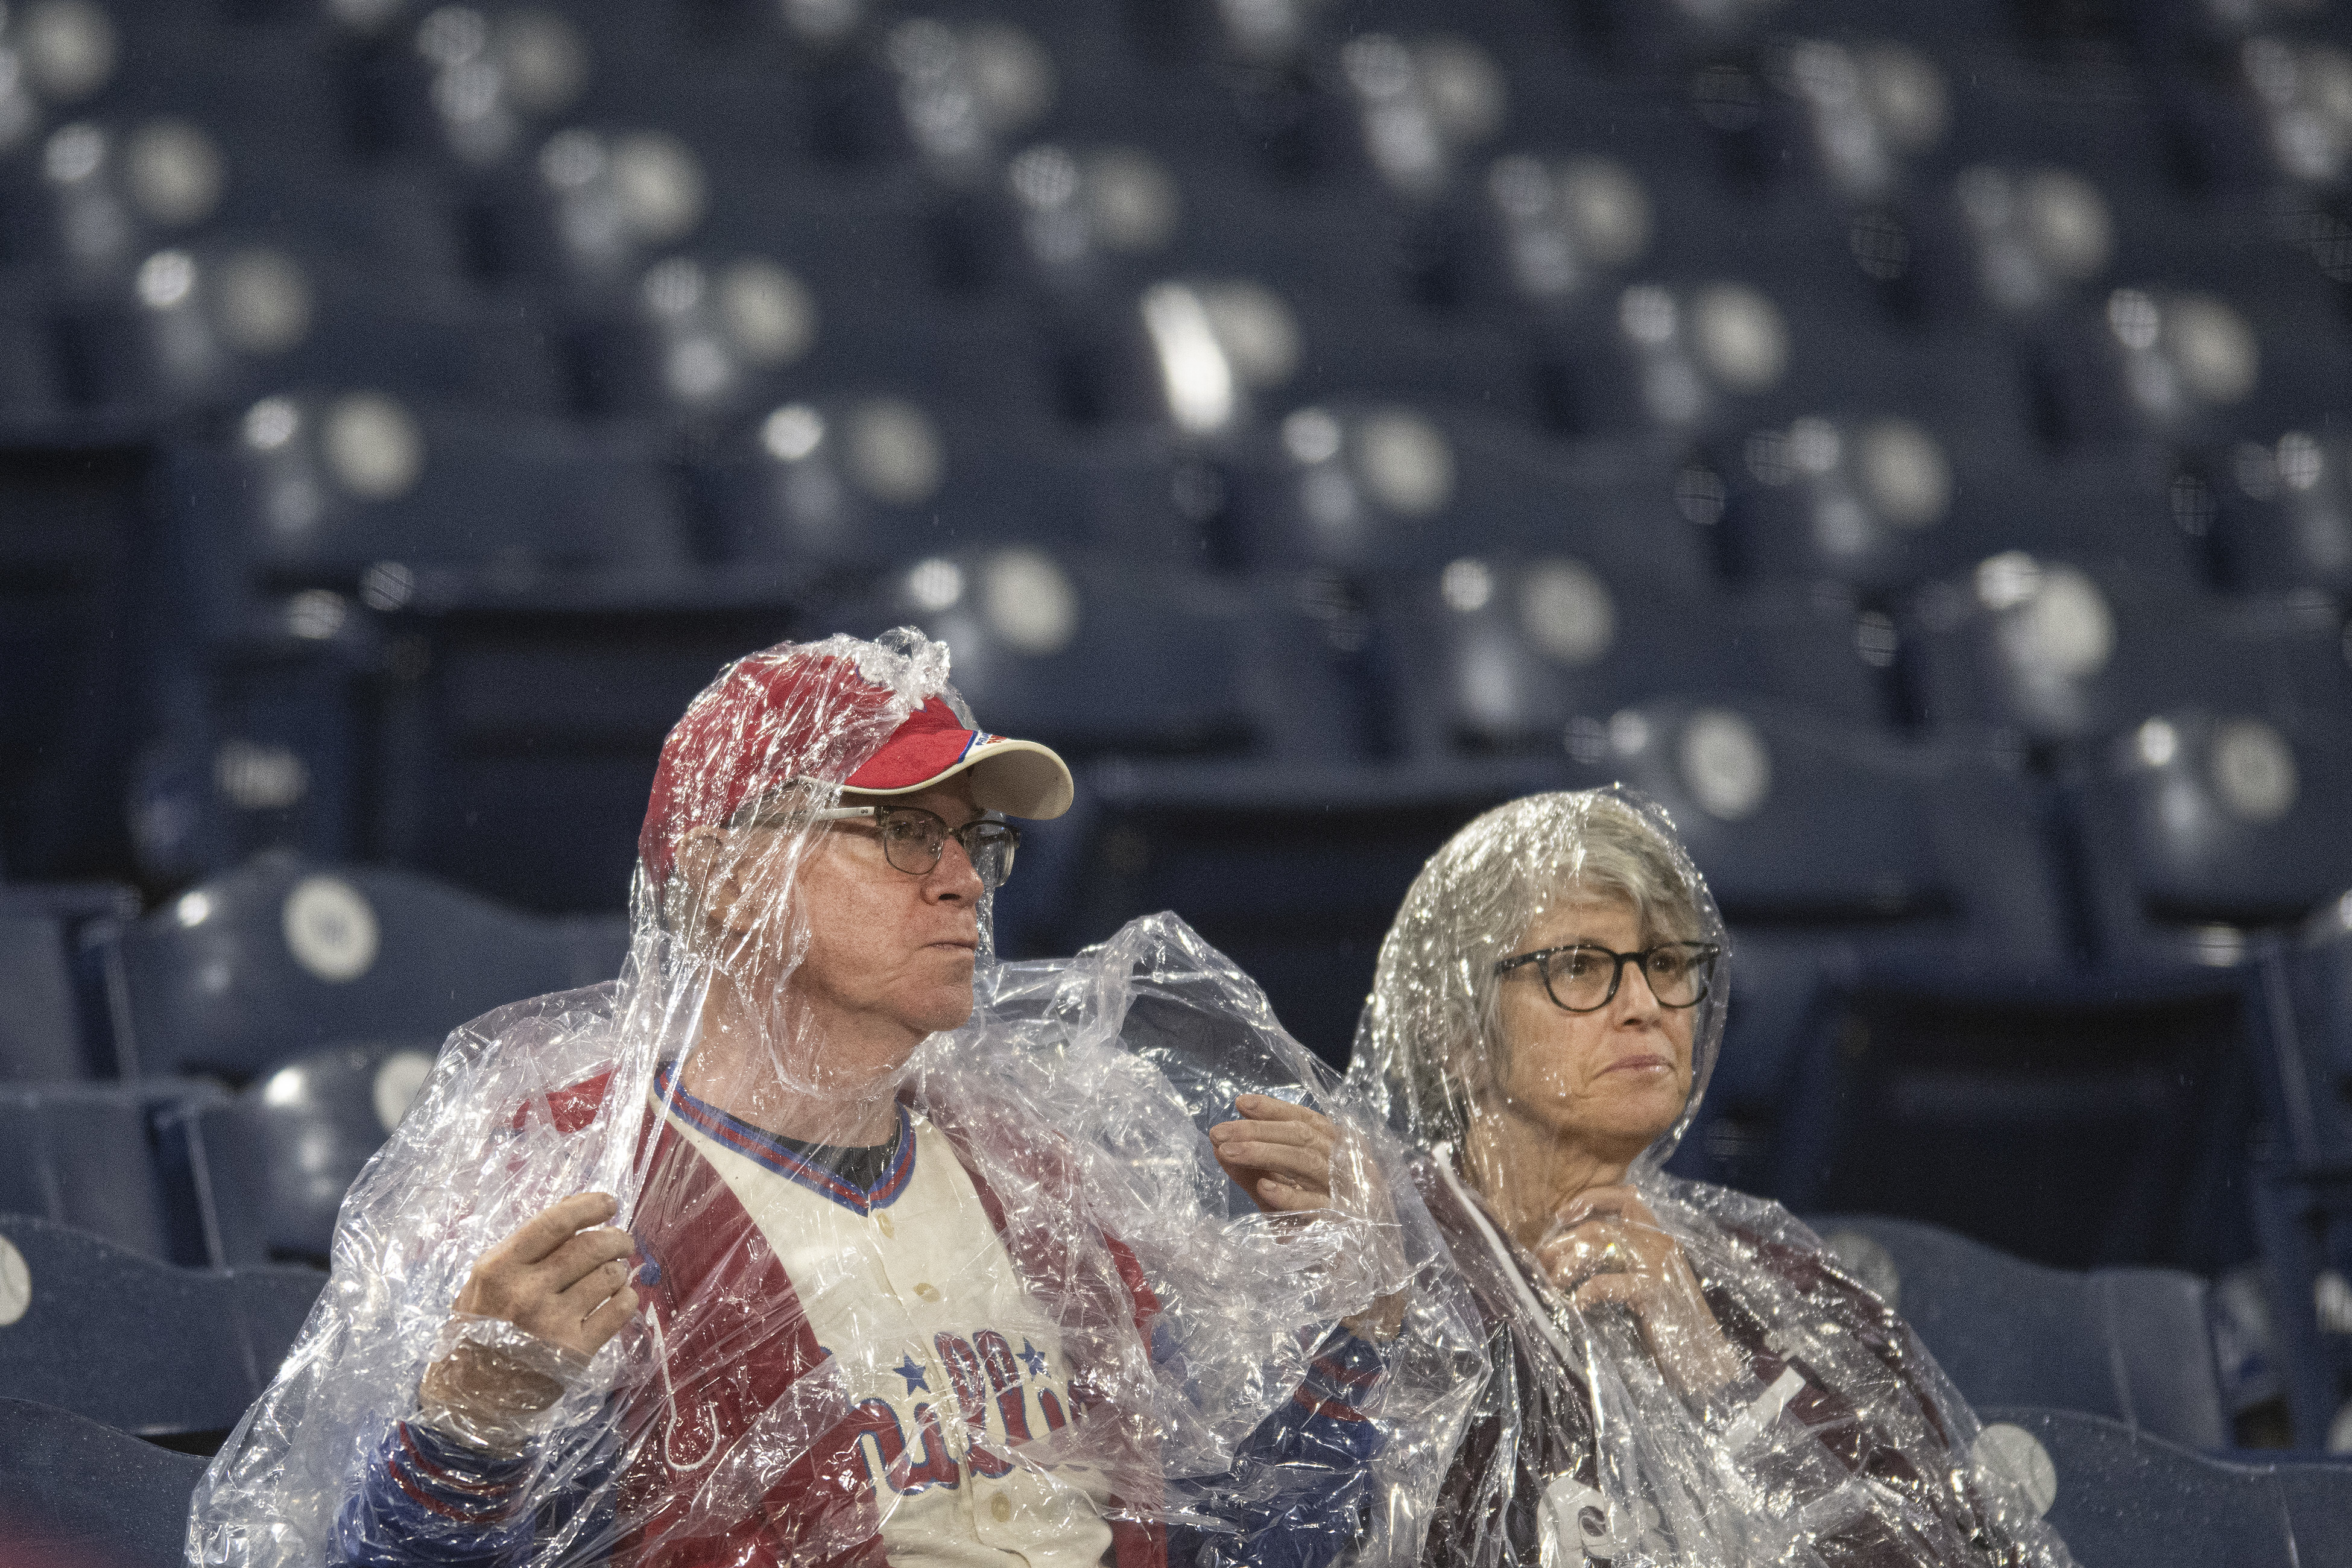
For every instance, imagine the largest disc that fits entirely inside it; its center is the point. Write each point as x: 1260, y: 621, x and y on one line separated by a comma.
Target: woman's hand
x: 1606, y: 1246
x: 561, y: 1277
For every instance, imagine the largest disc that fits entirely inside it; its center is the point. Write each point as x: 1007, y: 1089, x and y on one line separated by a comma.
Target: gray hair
x: 1433, y: 1010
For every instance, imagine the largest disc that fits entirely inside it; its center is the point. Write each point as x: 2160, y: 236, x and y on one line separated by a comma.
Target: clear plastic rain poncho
x: 1040, y: 1325
x: 1792, y: 1418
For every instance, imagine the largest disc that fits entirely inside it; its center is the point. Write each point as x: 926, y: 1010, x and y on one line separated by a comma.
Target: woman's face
x: 1609, y: 1080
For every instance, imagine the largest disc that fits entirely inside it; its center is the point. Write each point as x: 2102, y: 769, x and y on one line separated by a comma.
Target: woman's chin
x: 1632, y: 1117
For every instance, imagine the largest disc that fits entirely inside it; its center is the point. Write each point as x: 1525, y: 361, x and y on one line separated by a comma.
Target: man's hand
x: 561, y: 1277
x: 1284, y: 1157
x: 1279, y: 1153
x: 1609, y: 1248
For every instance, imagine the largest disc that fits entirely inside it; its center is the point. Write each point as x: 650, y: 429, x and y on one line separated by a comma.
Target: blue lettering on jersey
x: 978, y: 1367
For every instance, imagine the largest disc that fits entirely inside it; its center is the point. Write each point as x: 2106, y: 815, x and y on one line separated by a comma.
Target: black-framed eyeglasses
x: 1583, y: 978
x: 913, y: 839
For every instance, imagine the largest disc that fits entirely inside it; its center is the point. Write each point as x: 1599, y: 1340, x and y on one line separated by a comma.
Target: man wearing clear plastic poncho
x: 1681, y: 1374
x: 780, y: 1250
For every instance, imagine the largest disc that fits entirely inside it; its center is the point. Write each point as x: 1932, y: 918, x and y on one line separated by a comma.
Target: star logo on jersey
x: 1033, y: 1358
x: 914, y: 1374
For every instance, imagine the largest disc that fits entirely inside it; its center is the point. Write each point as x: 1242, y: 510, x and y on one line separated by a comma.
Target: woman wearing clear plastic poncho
x: 1681, y: 1373
x: 778, y: 1250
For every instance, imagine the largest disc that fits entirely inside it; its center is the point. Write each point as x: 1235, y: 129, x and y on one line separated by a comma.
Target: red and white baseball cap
x: 1019, y: 778
x: 789, y: 712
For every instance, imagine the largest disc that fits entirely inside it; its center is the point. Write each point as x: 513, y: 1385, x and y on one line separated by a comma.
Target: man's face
x: 885, y: 943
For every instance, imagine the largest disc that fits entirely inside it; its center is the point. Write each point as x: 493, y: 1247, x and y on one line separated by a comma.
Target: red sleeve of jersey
x: 569, y: 1108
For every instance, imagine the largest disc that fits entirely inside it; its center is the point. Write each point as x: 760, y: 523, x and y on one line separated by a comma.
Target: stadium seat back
x: 1783, y: 984
x: 2115, y: 1494
x: 1512, y: 654
x: 141, y: 1346
x: 2054, y: 650
x: 1292, y: 868
x: 2131, y: 1344
x: 2201, y: 817
x: 1086, y: 652
x: 1933, y: 844
x: 56, y: 943
x: 2283, y: 512
x: 41, y: 1034
x: 88, y: 1155
x: 74, y: 1489
x: 2303, y: 1014
x: 281, y: 957
x: 254, y: 318
x: 867, y: 480
x: 316, y: 489
x: 1361, y: 483
x: 271, y: 1167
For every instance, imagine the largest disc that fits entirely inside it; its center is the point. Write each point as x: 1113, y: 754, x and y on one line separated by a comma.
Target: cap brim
x: 1018, y: 778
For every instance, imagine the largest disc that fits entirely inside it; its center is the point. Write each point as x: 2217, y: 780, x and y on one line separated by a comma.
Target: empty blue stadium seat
x: 2074, y: 646
x: 42, y: 1034
x: 2304, y: 1029
x: 2201, y: 820
x: 317, y: 487
x: 1673, y: 359
x: 214, y: 326
x: 270, y: 1167
x: 1517, y: 655
x: 325, y: 513
x: 468, y: 90
x: 1371, y: 484
x: 2283, y: 512
x: 73, y: 1490
x: 873, y: 479
x: 2131, y: 1344
x: 142, y: 1346
x: 91, y: 1155
x: 1936, y: 848
x: 1887, y: 498
x: 2299, y: 1029
x: 2187, y: 361
x: 282, y: 956
x: 1293, y: 868
x: 52, y: 964
x: 2118, y: 1497
x: 33, y: 384
x: 1084, y: 651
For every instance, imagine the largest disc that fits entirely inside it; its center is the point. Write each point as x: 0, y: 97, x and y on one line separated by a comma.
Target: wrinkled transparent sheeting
x: 1077, y: 1100
x: 1840, y: 1442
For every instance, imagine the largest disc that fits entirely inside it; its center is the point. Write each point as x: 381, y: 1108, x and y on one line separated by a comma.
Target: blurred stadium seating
x: 1909, y: 443
x: 70, y: 1487
x: 142, y: 1346
x: 2131, y: 1344
x: 2118, y: 1496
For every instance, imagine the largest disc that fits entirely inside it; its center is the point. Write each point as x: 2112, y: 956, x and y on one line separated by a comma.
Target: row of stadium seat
x: 310, y: 491
x: 2115, y: 1494
x: 1706, y: 359
x: 97, y: 1343
x: 1844, y: 93
x: 1943, y: 902
x: 324, y: 724
x: 244, y: 972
